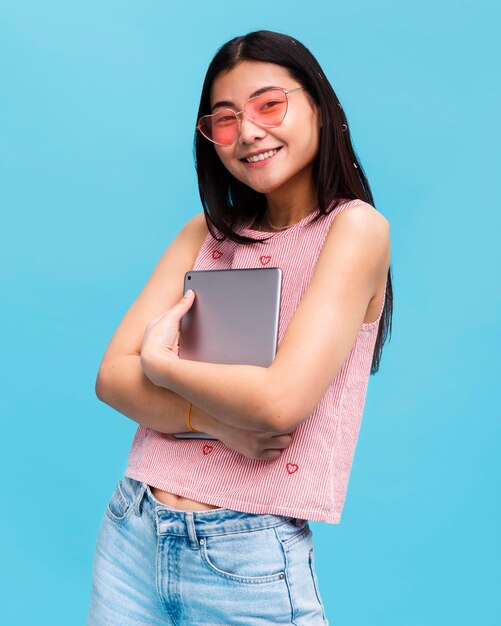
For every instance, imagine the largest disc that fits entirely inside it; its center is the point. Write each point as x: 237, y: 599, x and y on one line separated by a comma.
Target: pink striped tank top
x: 310, y: 478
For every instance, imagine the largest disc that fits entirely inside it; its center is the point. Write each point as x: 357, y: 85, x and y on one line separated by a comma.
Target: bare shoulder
x: 364, y: 219
x: 185, y: 246
x: 195, y: 229
x: 359, y: 231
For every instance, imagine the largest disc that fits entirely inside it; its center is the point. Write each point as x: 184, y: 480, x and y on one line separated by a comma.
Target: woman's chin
x: 265, y: 187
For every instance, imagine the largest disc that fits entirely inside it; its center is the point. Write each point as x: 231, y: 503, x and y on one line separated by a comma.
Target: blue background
x: 97, y: 109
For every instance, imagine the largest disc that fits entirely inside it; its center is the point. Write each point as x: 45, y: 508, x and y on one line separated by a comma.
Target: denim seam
x: 173, y: 581
x: 220, y: 533
x: 121, y: 495
x: 139, y: 498
x: 258, y: 580
x: 304, y: 533
x: 115, y: 519
x: 242, y: 531
x: 127, y: 504
x: 310, y: 562
x: 286, y: 578
x: 161, y: 546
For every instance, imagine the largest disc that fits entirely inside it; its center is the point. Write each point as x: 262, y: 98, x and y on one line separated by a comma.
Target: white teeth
x: 261, y: 157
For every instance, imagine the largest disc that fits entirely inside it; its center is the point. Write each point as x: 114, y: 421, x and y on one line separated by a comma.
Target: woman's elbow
x: 283, y: 411
x: 101, y: 384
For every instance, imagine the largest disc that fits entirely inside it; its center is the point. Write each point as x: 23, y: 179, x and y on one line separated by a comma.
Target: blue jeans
x: 157, y: 565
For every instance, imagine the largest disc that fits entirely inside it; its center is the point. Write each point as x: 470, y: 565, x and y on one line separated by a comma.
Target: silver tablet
x: 234, y: 318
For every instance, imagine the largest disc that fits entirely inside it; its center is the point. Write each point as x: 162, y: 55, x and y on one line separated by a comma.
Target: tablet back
x: 234, y: 319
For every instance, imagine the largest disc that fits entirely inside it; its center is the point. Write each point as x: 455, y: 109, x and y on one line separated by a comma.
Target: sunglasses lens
x: 269, y: 108
x: 220, y: 127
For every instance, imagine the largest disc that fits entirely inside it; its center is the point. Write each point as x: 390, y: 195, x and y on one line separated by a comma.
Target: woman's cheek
x: 223, y: 155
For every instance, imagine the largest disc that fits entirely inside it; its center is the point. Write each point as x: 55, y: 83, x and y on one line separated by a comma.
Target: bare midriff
x: 178, y: 502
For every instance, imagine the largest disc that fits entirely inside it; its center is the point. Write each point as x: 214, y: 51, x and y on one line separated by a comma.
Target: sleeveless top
x: 310, y: 478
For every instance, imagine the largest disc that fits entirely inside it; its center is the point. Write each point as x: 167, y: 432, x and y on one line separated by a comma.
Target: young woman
x: 216, y: 531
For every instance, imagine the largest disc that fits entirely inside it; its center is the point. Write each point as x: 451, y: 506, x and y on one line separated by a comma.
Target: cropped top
x: 310, y: 478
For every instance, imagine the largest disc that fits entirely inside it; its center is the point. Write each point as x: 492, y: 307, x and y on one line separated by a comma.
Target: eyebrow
x: 227, y: 103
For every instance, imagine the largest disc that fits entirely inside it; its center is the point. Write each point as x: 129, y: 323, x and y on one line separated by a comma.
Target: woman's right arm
x: 154, y: 407
x: 121, y: 382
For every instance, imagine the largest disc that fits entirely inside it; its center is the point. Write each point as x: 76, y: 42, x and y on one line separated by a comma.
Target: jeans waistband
x: 195, y: 524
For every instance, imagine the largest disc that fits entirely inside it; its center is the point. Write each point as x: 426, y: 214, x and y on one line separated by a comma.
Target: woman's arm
x: 122, y: 384
x: 166, y: 412
x: 130, y: 392
x: 353, y: 262
x: 162, y: 290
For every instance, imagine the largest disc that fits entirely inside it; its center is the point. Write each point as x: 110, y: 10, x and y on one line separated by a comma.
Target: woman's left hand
x: 161, y: 337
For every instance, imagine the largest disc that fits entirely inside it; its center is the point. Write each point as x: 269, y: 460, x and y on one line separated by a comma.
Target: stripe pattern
x: 310, y: 478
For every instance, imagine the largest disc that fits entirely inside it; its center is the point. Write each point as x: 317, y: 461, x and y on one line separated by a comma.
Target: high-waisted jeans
x: 156, y: 565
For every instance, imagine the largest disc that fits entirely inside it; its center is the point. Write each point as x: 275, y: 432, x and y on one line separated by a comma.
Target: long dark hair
x: 336, y: 169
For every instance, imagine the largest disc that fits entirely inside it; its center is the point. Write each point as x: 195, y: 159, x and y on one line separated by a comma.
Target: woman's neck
x: 286, y: 207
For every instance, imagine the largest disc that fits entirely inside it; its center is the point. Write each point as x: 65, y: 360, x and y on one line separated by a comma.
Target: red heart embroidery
x: 292, y: 467
x: 217, y: 254
x: 265, y: 260
x: 208, y: 449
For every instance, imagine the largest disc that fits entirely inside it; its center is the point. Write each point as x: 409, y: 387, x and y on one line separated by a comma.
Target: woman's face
x: 295, y: 140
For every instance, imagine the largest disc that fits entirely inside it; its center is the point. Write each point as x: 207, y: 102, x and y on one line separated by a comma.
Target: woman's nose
x: 249, y: 131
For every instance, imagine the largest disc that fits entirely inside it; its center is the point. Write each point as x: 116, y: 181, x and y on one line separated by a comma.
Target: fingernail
x: 188, y: 293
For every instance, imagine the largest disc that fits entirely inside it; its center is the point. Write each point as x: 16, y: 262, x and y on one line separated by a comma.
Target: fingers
x: 182, y: 306
x: 281, y: 442
x: 270, y: 455
x: 185, y: 304
x: 276, y: 445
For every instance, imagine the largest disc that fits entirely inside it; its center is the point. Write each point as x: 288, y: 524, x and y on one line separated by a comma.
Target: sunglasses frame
x: 239, y: 113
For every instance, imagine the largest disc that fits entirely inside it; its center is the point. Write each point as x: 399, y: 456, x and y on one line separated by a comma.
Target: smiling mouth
x: 261, y: 156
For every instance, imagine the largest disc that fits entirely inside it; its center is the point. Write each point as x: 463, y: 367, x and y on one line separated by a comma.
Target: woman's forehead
x: 247, y: 77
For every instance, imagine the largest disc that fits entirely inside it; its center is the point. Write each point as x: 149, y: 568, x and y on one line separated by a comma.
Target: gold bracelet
x: 193, y: 430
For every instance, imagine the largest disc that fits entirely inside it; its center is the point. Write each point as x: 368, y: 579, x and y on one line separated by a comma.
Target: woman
x: 218, y: 533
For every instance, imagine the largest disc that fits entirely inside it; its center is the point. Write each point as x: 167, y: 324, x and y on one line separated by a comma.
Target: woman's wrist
x: 204, y: 423
x: 157, y: 367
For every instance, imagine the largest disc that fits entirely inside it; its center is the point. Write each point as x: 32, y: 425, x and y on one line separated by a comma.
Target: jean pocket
x: 120, y: 504
x: 254, y: 556
x: 292, y: 531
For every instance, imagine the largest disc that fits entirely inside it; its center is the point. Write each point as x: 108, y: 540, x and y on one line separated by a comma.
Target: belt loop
x: 139, y: 499
x: 190, y: 525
